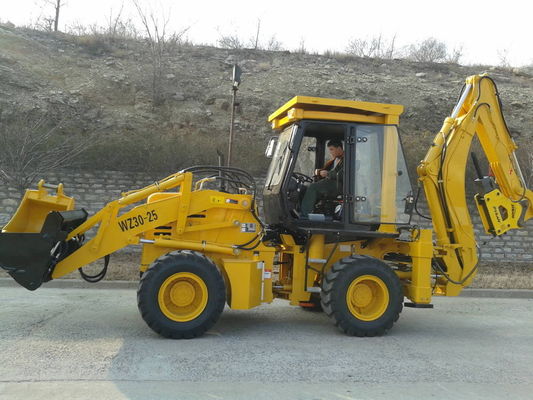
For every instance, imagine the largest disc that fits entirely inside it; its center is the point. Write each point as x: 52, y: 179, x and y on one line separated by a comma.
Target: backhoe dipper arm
x: 504, y: 204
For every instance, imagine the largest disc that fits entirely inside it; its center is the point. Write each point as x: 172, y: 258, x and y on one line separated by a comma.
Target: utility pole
x: 57, y: 5
x: 236, y: 81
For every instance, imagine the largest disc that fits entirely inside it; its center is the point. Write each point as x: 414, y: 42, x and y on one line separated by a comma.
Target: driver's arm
x: 323, y: 173
x: 333, y: 174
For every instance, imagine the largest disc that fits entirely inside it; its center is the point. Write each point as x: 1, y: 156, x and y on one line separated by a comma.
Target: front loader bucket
x: 35, y: 206
x: 39, y: 224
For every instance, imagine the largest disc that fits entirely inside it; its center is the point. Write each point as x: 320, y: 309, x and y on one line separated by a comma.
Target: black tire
x: 335, y: 286
x: 155, y: 276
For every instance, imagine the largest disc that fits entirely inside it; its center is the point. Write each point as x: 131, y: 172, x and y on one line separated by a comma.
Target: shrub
x: 429, y: 50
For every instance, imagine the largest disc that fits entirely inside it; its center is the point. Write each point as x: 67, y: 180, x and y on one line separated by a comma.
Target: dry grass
x: 504, y: 276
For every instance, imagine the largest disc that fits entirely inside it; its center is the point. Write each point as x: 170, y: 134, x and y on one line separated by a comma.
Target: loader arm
x: 116, y: 231
x: 504, y: 203
x: 46, y: 237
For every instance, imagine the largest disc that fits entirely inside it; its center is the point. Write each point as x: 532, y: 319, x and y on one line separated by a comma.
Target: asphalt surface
x: 93, y: 344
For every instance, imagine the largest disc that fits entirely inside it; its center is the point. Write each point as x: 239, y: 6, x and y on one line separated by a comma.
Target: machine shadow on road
x: 273, y: 340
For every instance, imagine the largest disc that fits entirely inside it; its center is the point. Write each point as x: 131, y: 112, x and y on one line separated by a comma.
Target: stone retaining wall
x: 92, y: 190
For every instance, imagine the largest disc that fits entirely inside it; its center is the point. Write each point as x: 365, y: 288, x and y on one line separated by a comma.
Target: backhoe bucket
x: 39, y: 224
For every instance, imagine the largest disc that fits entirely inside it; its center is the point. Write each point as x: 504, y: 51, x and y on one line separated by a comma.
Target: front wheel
x: 362, y: 295
x: 181, y: 295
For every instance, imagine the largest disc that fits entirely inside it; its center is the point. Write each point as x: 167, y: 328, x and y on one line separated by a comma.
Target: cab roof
x: 320, y: 108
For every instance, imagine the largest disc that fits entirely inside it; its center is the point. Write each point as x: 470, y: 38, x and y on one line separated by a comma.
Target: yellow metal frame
x: 416, y: 278
x: 306, y: 107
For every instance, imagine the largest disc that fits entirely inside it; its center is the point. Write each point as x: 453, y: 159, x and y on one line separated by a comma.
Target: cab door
x: 378, y: 180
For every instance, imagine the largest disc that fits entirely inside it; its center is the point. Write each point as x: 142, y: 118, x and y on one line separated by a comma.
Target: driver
x: 330, y: 183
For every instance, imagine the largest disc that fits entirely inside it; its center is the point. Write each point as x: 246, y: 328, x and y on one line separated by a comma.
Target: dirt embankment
x: 105, y: 88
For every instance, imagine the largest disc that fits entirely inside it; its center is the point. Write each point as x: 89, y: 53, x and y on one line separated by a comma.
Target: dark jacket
x: 335, y: 173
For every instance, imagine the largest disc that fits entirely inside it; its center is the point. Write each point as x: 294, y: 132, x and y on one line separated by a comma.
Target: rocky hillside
x: 103, y: 88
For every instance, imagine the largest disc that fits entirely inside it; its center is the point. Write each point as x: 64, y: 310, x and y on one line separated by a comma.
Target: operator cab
x: 368, y: 194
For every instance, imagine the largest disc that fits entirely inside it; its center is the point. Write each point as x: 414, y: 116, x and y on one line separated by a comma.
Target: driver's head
x: 335, y: 148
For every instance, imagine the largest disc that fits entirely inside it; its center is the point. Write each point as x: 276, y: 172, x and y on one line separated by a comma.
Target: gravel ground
x: 92, y: 343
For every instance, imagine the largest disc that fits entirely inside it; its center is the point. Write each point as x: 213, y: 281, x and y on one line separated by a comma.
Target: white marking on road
x: 213, y: 396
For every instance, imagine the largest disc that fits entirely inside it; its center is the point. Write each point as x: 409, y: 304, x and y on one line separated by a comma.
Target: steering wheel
x: 302, y: 178
x: 296, y: 189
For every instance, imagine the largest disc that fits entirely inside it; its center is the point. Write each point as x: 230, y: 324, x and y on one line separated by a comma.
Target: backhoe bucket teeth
x: 28, y: 241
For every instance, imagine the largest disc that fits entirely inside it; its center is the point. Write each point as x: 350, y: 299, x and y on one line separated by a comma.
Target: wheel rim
x: 367, y: 297
x: 183, y: 296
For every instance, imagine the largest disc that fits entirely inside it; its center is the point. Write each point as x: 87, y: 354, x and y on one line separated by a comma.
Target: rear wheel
x: 181, y: 295
x: 362, y: 295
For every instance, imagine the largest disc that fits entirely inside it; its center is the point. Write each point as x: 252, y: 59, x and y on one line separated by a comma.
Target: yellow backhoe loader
x: 355, y: 253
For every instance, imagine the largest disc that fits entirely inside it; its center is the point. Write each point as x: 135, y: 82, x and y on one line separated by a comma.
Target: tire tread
x: 340, y: 271
x: 162, y: 265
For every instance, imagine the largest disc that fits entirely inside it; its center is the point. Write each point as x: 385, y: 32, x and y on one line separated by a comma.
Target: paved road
x: 92, y: 343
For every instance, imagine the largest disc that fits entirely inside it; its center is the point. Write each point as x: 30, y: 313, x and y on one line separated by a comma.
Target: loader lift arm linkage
x: 155, y: 206
x: 118, y: 231
x: 442, y: 173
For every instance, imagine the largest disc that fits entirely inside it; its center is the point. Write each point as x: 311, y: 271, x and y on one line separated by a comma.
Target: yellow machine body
x: 180, y: 213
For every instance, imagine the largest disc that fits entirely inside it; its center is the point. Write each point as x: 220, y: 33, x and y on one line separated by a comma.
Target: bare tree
x: 455, y: 55
x: 113, y: 22
x: 31, y: 145
x: 116, y: 27
x: 52, y: 23
x: 274, y: 44
x: 503, y: 56
x: 429, y: 50
x: 44, y: 24
x: 374, y: 47
x: 390, y: 49
x: 160, y: 44
x: 301, y: 48
x: 230, y: 42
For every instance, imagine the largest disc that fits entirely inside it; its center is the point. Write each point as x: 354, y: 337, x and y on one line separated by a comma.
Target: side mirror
x: 271, y: 147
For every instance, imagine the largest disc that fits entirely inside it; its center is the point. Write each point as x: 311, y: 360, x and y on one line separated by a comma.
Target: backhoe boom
x: 504, y: 203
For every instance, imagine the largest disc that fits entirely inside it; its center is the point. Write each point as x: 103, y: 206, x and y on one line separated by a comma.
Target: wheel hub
x: 367, y: 297
x: 182, y: 293
x: 362, y: 295
x: 183, y: 296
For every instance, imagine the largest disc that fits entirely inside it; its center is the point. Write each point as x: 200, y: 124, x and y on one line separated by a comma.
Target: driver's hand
x: 323, y: 173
